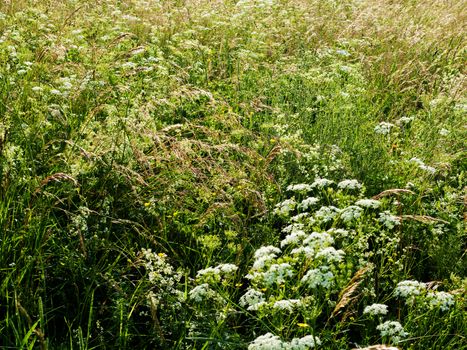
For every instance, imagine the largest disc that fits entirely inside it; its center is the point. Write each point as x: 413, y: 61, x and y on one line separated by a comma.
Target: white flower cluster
x: 330, y: 255
x: 389, y: 220
x: 376, y: 309
x: 351, y: 213
x: 422, y: 165
x: 393, y: 330
x: 215, y: 274
x: 160, y: 272
x: 299, y: 188
x: 383, y: 128
x: 284, y: 208
x: 409, y: 288
x: 269, y: 341
x: 162, y: 276
x: 368, y: 203
x: 277, y: 274
x: 321, y: 183
x: 307, y: 203
x: 405, y: 120
x: 320, y: 277
x: 327, y: 213
x: 295, y: 237
x: 202, y: 292
x: 349, y: 185
x: 441, y: 300
x: 286, y: 304
x: 252, y: 299
x: 264, y: 255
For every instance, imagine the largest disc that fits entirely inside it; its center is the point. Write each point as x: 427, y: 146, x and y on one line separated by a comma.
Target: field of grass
x: 252, y: 174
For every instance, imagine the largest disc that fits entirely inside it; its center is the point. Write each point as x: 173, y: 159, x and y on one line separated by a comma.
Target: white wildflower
x: 444, y: 132
x: 266, y: 251
x: 299, y: 217
x: 293, y: 238
x: 318, y: 277
x: 253, y: 299
x: 285, y: 207
x: 389, y: 220
x: 349, y: 185
x: 330, y: 254
x: 318, y: 240
x: 321, y: 183
x: 215, y: 274
x: 327, y: 213
x: 293, y: 227
x: 405, y: 120
x: 201, y: 292
x: 267, y: 341
x: 308, y: 252
x: 383, y: 128
x: 368, y: 203
x: 376, y: 309
x: 277, y: 274
x: 286, y: 305
x: 305, y: 343
x: 393, y: 330
x: 440, y: 300
x: 410, y: 289
x: 307, y: 203
x: 299, y: 188
x: 351, y: 213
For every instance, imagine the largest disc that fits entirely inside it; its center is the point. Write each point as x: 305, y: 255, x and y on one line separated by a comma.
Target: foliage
x: 232, y: 174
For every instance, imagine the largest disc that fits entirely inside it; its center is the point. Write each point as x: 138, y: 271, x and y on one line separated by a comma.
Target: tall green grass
x: 178, y: 126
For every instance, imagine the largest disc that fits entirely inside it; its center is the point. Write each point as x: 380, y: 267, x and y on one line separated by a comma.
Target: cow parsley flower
x: 330, y: 254
x: 308, y: 252
x: 293, y: 227
x: 277, y: 274
x: 368, y: 203
x: 349, y: 185
x: 286, y: 304
x: 318, y: 240
x: 307, y: 203
x: 284, y: 208
x: 201, y: 292
x: 266, y: 251
x: 383, y: 128
x: 351, y: 213
x: 318, y: 277
x: 440, y: 300
x: 393, y: 330
x: 267, y: 341
x: 405, y: 120
x: 444, y: 132
x: 376, y: 309
x: 305, y: 343
x: 409, y: 290
x: 327, y: 213
x: 293, y: 238
x: 321, y: 183
x: 253, y: 299
x: 389, y: 220
x: 299, y: 217
x: 299, y: 188
x: 215, y: 274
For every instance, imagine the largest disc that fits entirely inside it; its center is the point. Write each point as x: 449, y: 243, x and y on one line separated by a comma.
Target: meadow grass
x: 261, y: 174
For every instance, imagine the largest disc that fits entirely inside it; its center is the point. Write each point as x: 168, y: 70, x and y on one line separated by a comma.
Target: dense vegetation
x: 261, y: 174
